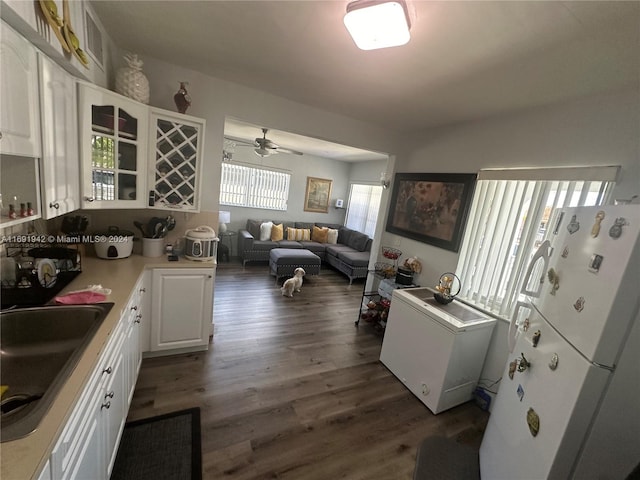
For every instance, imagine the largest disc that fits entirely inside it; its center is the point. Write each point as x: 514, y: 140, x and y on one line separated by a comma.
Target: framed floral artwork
x: 431, y: 207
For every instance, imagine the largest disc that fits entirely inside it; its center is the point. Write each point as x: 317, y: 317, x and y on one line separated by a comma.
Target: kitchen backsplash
x: 101, y: 220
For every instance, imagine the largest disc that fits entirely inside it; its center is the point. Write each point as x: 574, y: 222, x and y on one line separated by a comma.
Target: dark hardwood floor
x: 291, y: 389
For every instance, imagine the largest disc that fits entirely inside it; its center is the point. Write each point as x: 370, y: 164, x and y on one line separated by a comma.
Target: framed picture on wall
x: 431, y: 207
x: 317, y: 195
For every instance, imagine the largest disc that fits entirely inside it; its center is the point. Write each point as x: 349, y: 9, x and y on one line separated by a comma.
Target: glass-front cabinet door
x: 175, y: 174
x: 113, y: 149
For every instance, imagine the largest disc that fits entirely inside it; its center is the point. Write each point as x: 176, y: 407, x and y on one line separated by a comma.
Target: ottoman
x: 283, y: 261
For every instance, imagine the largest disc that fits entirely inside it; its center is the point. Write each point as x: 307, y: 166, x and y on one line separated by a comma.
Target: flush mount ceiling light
x: 377, y: 24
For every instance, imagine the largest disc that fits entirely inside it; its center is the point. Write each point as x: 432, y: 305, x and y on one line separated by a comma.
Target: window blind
x: 363, y: 208
x: 507, y: 223
x: 244, y: 186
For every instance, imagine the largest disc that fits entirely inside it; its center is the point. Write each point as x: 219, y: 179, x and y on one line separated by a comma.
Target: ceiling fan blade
x: 287, y: 150
x: 241, y: 141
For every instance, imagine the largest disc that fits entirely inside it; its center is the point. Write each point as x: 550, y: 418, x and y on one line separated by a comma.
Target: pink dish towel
x: 79, y: 298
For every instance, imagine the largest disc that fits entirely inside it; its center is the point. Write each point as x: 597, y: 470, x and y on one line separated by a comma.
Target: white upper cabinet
x: 176, y: 142
x: 19, y: 115
x: 113, y: 147
x: 60, y: 165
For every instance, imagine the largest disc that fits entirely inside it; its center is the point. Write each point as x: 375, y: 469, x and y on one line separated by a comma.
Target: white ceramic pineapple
x: 131, y: 82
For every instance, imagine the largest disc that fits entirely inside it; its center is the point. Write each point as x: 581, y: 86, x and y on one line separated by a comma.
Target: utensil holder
x: 152, y: 247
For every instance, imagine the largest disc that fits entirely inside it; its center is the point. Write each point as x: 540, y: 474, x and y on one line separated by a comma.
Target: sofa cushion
x: 355, y: 259
x: 265, y: 231
x: 343, y: 235
x: 289, y: 244
x: 319, y: 234
x: 253, y: 227
x: 358, y: 241
x: 335, y: 226
x: 313, y: 246
x: 336, y: 249
x: 298, y: 234
x: 307, y: 225
x: 277, y: 233
x: 332, y: 236
x: 263, y: 245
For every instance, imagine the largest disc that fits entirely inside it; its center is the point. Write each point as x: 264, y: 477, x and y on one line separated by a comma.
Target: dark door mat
x: 166, y: 447
x: 441, y: 458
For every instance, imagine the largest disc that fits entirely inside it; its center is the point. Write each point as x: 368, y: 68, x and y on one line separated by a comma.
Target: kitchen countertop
x: 24, y: 458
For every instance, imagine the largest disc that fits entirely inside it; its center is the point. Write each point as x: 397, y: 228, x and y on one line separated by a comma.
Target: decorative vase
x: 131, y: 82
x: 182, y: 98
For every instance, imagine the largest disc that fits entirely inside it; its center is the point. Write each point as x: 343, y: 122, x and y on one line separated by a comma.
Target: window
x: 508, y: 221
x: 363, y: 209
x: 243, y: 186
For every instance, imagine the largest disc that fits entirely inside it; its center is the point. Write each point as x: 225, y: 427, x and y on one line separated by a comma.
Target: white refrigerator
x: 569, y: 399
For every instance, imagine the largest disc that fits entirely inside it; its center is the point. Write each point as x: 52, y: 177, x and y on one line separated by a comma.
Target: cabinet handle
x: 135, y: 307
x: 105, y: 405
x: 0, y: 135
x: 107, y: 370
x: 89, y: 199
x: 209, y: 276
x: 142, y: 290
x: 138, y: 317
x: 54, y: 205
x: 109, y: 395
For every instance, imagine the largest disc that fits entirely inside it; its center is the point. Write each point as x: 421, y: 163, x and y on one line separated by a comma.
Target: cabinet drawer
x: 69, y: 446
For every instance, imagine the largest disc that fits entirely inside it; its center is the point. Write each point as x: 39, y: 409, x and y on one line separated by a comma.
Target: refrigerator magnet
x: 595, y: 262
x: 553, y: 364
x: 565, y: 252
x: 533, y: 420
x: 536, y: 338
x: 616, y: 229
x: 574, y: 225
x: 595, y: 230
x: 579, y: 305
x: 520, y: 392
x: 512, y: 368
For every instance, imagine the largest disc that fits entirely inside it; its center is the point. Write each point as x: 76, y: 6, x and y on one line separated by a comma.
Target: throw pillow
x: 358, y: 241
x: 265, y: 231
x: 298, y: 234
x: 277, y: 233
x: 332, y: 236
x: 253, y: 227
x: 319, y: 234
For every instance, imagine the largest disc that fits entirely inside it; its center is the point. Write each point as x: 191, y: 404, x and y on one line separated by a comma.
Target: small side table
x: 228, y: 235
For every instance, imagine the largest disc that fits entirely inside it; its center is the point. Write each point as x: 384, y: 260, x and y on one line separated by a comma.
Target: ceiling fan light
x: 378, y: 24
x: 262, y: 152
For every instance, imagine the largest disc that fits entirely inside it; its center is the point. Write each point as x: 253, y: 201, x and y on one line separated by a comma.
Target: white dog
x: 294, y: 283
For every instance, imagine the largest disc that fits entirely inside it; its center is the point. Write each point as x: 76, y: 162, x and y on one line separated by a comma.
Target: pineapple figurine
x: 131, y: 82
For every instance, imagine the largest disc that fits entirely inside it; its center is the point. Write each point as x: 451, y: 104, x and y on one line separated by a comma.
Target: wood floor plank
x: 291, y: 389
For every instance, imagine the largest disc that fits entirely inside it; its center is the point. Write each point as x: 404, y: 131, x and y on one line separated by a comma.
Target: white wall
x: 214, y: 99
x: 600, y: 130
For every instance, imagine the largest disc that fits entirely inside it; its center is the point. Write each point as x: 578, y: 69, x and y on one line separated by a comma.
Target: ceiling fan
x: 263, y: 147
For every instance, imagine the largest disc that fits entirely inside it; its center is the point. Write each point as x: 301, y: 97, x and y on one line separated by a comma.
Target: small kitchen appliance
x: 200, y: 243
x: 113, y: 244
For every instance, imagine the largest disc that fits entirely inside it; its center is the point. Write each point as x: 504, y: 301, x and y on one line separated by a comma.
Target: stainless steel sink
x: 39, y: 349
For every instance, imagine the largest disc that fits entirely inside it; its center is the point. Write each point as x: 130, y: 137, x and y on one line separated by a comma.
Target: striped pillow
x: 298, y: 234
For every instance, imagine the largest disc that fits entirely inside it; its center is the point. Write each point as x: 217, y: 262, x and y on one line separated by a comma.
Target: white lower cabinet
x: 182, y: 308
x: 45, y: 474
x: 89, y: 442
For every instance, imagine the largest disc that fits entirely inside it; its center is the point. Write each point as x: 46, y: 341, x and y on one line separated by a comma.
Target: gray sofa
x: 350, y: 255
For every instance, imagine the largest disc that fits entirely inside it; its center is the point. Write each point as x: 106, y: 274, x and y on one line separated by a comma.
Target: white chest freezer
x: 436, y: 350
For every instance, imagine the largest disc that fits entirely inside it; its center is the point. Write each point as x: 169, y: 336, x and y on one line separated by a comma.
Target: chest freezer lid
x: 456, y: 314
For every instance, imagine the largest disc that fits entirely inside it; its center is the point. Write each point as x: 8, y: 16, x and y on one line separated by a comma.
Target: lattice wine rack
x: 176, y: 169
